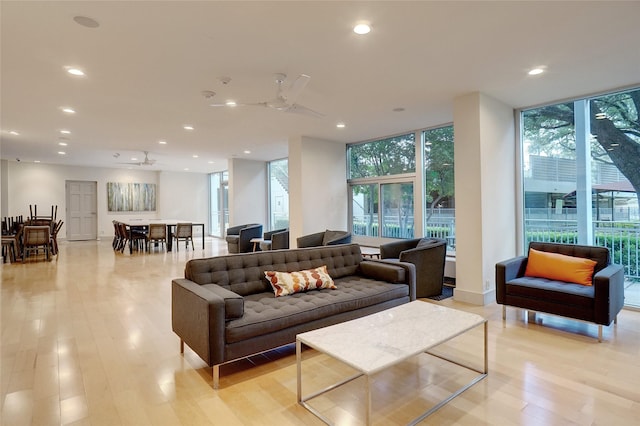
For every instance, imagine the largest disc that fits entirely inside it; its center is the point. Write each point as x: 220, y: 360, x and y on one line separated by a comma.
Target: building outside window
x: 278, y: 194
x: 381, y: 184
x: 581, y: 174
x: 219, y: 207
x: 439, y: 185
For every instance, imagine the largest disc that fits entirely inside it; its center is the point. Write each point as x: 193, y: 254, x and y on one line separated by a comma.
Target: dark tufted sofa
x: 599, y: 303
x: 224, y: 308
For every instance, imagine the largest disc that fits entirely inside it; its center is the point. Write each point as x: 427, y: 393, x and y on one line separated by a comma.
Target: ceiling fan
x: 147, y: 161
x: 285, y: 99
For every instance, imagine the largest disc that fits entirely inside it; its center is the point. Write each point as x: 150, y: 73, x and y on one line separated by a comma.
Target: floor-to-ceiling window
x: 581, y: 175
x: 439, y: 185
x: 219, y: 208
x: 381, y: 184
x: 278, y: 194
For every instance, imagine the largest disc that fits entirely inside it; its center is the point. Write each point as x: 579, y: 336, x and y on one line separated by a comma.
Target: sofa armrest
x: 391, y: 271
x: 311, y: 240
x: 392, y: 250
x: 198, y: 317
x: 609, y: 293
x: 508, y: 270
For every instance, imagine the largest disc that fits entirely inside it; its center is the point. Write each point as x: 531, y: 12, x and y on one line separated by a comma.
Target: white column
x: 317, y: 186
x: 583, y: 172
x: 485, y: 191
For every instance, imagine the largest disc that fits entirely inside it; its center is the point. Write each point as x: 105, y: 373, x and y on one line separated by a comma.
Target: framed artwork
x: 131, y: 197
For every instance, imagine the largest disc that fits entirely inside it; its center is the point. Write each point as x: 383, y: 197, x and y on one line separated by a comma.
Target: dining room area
x: 33, y: 238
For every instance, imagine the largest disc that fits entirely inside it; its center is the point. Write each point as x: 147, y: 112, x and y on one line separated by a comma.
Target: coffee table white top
x: 378, y: 341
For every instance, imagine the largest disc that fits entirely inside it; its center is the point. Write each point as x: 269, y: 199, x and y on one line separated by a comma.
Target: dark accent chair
x: 275, y: 240
x: 324, y: 238
x: 599, y: 303
x: 427, y: 254
x: 239, y: 237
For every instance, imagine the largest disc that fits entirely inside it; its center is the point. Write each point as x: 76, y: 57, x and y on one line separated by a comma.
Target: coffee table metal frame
x: 309, y: 339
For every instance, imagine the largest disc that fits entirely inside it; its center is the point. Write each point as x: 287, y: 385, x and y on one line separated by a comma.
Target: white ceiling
x: 148, y: 62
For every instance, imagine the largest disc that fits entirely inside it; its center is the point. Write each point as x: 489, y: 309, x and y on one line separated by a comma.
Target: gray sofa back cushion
x: 599, y: 254
x: 244, y: 273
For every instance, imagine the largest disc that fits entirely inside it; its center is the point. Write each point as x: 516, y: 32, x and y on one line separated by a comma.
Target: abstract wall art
x: 131, y: 197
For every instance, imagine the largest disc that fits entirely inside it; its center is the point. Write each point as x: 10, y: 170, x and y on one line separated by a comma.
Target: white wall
x: 317, y: 186
x: 485, y: 193
x: 247, y: 192
x: 44, y: 185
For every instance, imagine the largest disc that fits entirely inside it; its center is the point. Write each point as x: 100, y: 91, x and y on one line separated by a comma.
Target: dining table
x: 137, y: 224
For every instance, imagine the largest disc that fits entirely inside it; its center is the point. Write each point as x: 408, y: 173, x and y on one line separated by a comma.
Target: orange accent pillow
x: 560, y: 267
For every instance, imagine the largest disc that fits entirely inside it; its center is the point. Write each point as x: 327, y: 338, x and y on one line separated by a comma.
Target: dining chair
x: 157, y: 234
x: 35, y: 237
x: 184, y: 231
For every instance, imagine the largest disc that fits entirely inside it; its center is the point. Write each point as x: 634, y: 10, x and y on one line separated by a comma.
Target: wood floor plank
x: 87, y: 340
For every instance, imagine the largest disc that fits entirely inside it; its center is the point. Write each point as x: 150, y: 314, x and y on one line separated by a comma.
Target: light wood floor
x: 87, y: 340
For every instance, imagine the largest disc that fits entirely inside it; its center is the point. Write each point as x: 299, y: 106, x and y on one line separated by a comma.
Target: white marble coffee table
x: 373, y: 343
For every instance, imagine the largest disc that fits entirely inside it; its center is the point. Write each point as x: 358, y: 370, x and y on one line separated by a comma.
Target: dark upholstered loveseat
x: 599, y: 303
x: 224, y: 308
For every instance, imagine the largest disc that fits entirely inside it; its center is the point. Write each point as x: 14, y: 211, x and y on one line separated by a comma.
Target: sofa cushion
x: 264, y: 313
x: 560, y: 267
x: 285, y: 283
x: 557, y: 292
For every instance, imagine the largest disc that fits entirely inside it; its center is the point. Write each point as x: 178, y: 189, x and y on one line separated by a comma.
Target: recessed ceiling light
x: 210, y: 162
x: 195, y: 155
x: 65, y: 132
x: 341, y: 125
x: 162, y: 142
x: 75, y: 71
x: 13, y: 132
x: 536, y: 71
x: 62, y: 143
x: 187, y: 127
x: 134, y: 159
x: 62, y: 153
x: 186, y: 169
x: 231, y: 103
x: 36, y: 161
x: 246, y: 151
x: 68, y: 110
x: 362, y: 29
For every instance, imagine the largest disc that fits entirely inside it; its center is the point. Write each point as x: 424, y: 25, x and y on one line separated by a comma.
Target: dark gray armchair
x: 275, y: 240
x: 239, y: 237
x: 324, y: 238
x: 598, y: 303
x: 427, y: 254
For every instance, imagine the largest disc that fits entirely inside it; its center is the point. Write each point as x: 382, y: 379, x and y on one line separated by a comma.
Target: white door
x: 82, y: 206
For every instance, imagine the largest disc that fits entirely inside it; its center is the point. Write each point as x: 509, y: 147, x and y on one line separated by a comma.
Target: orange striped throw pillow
x: 284, y: 283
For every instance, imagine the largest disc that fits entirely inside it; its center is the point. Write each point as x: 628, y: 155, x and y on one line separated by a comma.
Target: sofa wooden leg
x: 216, y: 376
x: 504, y: 312
x: 599, y: 333
x: 181, y: 346
x: 615, y: 320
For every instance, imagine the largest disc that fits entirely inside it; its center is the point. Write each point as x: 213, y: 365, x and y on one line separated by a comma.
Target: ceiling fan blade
x: 301, y: 109
x: 296, y: 88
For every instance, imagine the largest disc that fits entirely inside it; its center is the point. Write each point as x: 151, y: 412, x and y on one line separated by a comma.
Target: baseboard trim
x: 473, y: 298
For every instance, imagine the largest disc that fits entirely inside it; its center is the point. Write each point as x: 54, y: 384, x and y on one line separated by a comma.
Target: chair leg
x: 504, y: 312
x: 599, y: 333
